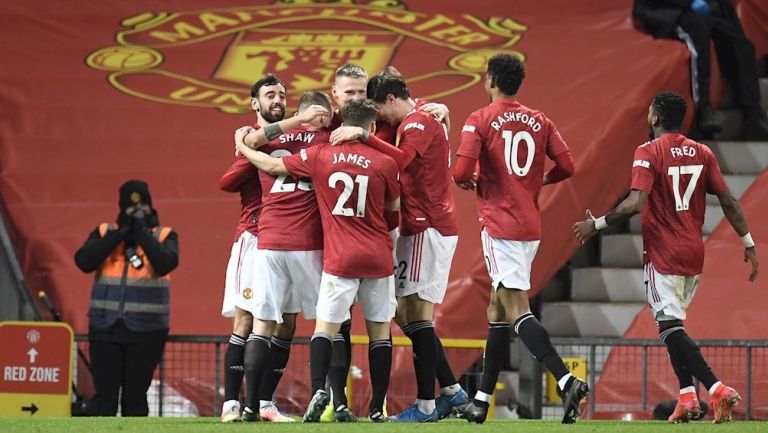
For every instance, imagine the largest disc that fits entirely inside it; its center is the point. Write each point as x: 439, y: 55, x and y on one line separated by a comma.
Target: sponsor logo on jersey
x: 641, y: 163
x: 302, y: 41
x: 416, y: 125
x: 468, y: 128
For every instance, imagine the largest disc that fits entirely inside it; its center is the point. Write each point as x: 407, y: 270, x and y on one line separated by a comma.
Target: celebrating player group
x: 354, y: 205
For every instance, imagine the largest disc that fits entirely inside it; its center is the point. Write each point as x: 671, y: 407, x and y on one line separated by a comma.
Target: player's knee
x: 669, y: 327
x: 495, y: 312
x: 243, y: 325
x: 346, y: 327
x: 287, y: 329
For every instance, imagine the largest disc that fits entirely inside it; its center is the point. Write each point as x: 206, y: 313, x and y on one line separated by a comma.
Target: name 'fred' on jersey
x: 511, y: 143
x: 290, y: 219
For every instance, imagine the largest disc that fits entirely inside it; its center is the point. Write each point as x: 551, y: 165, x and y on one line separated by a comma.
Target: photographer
x: 129, y: 301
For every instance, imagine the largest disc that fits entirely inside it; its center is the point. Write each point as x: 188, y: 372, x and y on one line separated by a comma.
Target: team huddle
x: 354, y: 205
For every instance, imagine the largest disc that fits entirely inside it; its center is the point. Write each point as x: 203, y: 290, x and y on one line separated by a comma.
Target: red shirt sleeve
x: 715, y: 181
x: 301, y: 164
x: 471, y: 138
x: 391, y: 173
x: 239, y: 172
x: 642, y: 170
x: 402, y: 155
x: 555, y: 143
x: 417, y: 133
x: 465, y: 167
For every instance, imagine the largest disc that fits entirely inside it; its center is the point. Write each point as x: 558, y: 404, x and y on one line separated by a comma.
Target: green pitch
x: 205, y: 425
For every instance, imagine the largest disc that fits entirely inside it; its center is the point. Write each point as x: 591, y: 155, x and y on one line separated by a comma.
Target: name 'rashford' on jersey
x: 290, y: 219
x: 510, y: 142
x: 352, y: 183
x: 677, y: 173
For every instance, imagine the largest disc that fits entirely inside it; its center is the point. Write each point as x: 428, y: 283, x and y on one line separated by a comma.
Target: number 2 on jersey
x: 349, y: 185
x: 681, y: 204
x: 512, y: 149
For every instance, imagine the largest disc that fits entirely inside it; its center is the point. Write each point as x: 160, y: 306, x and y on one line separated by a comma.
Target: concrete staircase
x: 607, y: 279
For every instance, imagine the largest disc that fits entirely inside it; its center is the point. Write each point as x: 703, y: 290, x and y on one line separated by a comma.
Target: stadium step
x: 608, y: 284
x: 740, y: 157
x: 589, y: 319
x: 624, y: 250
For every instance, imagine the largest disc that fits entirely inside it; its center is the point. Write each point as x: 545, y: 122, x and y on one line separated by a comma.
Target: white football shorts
x: 423, y: 264
x: 376, y: 296
x: 668, y: 295
x: 240, y: 274
x: 508, y: 262
x: 288, y: 282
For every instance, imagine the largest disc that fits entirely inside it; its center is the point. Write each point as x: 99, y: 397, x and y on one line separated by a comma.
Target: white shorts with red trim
x: 668, y: 295
x: 376, y: 296
x: 423, y: 264
x: 508, y: 262
x: 288, y: 282
x: 240, y: 274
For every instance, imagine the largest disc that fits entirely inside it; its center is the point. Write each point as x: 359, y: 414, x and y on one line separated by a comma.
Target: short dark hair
x: 314, y: 97
x: 671, y: 108
x: 385, y: 83
x: 267, y: 80
x: 351, y: 70
x: 507, y: 71
x: 359, y: 113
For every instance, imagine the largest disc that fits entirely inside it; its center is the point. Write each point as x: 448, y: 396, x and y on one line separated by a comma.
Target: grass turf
x: 204, y: 425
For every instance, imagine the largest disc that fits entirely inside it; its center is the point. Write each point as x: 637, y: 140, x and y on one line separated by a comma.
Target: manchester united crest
x: 210, y: 58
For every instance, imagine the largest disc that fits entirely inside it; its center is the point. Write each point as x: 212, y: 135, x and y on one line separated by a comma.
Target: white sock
x: 481, y: 396
x: 425, y: 406
x: 563, y: 380
x: 450, y: 389
x: 713, y: 388
x: 264, y: 403
x: 687, y: 390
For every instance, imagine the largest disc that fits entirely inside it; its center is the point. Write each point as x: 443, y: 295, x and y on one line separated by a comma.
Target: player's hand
x: 240, y: 134
x: 585, y: 229
x: 438, y: 111
x: 313, y: 112
x: 751, y: 255
x: 346, y: 133
x: 470, y: 185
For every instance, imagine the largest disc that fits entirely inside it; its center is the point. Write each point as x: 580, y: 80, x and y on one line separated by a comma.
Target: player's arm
x: 734, y: 214
x: 236, y: 175
x: 563, y: 169
x: 254, y: 138
x: 465, y: 173
x: 440, y: 112
x: 402, y: 155
x: 558, y: 152
x: 268, y: 164
x: 631, y: 205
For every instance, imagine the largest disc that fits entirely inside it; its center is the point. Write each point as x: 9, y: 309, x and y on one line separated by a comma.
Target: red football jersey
x: 243, y: 177
x: 352, y: 184
x: 384, y: 130
x: 677, y: 173
x: 290, y: 219
x: 510, y: 142
x: 426, y: 183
